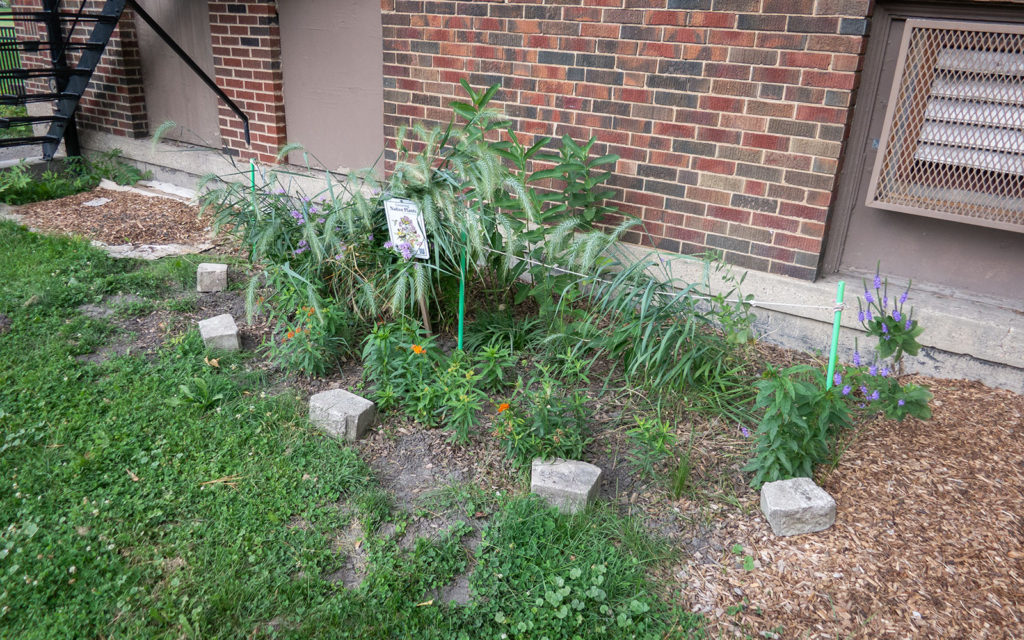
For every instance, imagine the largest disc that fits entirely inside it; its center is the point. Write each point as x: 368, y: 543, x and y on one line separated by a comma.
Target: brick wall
x: 728, y: 115
x: 246, y: 42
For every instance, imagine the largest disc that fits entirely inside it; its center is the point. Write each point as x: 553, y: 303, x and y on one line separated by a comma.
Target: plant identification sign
x: 406, y: 227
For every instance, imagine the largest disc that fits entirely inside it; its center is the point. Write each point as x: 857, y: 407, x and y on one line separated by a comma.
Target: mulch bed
x: 129, y: 218
x: 929, y: 536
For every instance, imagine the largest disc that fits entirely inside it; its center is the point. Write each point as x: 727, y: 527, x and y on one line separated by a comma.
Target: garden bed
x: 928, y: 539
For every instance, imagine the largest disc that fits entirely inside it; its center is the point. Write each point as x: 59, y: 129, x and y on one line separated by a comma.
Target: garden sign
x: 406, y: 227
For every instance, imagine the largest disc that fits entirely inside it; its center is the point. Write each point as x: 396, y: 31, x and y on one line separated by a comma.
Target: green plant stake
x: 462, y: 290
x: 252, y: 183
x: 835, y: 335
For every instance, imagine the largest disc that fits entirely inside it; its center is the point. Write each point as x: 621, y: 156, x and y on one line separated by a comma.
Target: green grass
x: 150, y: 498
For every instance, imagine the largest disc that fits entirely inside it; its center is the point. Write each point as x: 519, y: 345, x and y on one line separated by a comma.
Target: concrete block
x: 342, y: 414
x: 797, y: 506
x: 220, y: 332
x: 568, y: 485
x: 211, y: 277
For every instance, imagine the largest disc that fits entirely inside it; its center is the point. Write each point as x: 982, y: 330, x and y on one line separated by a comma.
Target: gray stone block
x: 797, y: 506
x: 568, y: 485
x: 211, y: 277
x: 220, y: 332
x: 342, y: 414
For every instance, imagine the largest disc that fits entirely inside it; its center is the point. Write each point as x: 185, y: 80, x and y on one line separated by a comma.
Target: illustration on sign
x: 406, y: 227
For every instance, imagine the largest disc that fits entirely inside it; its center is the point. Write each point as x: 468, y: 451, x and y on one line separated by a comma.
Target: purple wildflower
x: 874, y: 394
x: 302, y: 243
x: 896, y: 315
x: 900, y: 402
x: 907, y: 325
x: 406, y: 250
x: 370, y: 238
x: 878, y: 282
x: 867, y: 315
x: 863, y: 389
x: 885, y: 328
x: 884, y: 372
x: 856, y: 358
x: 837, y: 379
x: 321, y: 220
x: 745, y: 432
x: 885, y: 301
x: 846, y: 390
x: 873, y: 370
x: 903, y: 298
x: 338, y: 256
x: 389, y: 245
x: 860, y: 317
x: 868, y: 297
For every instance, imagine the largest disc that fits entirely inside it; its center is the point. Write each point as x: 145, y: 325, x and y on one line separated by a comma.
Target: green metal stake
x: 835, y: 335
x: 252, y: 183
x: 462, y: 291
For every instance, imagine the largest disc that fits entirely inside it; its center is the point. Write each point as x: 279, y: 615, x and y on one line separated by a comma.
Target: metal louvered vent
x: 952, y: 145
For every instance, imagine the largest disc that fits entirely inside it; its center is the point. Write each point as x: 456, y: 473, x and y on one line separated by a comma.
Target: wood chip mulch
x: 928, y: 540
x: 129, y: 218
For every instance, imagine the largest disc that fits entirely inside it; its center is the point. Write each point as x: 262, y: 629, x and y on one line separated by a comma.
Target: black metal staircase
x: 68, y: 83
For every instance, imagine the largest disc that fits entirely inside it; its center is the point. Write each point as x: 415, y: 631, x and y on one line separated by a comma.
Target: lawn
x: 153, y: 495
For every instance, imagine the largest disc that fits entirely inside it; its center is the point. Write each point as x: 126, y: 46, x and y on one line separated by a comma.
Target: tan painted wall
x: 173, y: 91
x: 332, y: 54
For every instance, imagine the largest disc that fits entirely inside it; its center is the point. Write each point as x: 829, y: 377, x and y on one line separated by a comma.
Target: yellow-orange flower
x: 291, y: 334
x: 503, y: 407
x: 418, y: 350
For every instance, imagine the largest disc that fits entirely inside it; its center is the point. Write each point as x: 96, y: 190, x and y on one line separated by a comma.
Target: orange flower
x: 503, y: 407
x: 418, y: 350
x: 291, y: 334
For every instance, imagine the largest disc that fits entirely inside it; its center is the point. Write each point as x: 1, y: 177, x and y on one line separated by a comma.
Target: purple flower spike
x: 867, y: 314
x: 389, y: 245
x: 875, y: 395
x: 896, y: 315
x: 885, y: 329
x: 370, y: 238
x: 900, y: 403
x: 873, y: 370
x: 837, y: 379
x: 870, y: 298
x: 745, y: 432
x: 846, y: 390
x: 878, y: 282
x: 885, y: 301
x: 856, y: 358
x: 406, y: 250
x: 903, y: 298
x: 860, y: 317
x: 907, y: 325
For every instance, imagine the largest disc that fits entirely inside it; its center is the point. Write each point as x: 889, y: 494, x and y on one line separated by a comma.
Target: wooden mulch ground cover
x: 929, y: 537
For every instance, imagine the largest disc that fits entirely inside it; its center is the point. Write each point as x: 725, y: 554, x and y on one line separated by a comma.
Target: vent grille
x: 952, y: 144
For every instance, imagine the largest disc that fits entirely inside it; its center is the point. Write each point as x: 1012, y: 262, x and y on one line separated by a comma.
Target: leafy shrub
x: 75, y: 175
x: 409, y: 372
x: 803, y: 418
x: 311, y: 341
x: 543, y: 420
